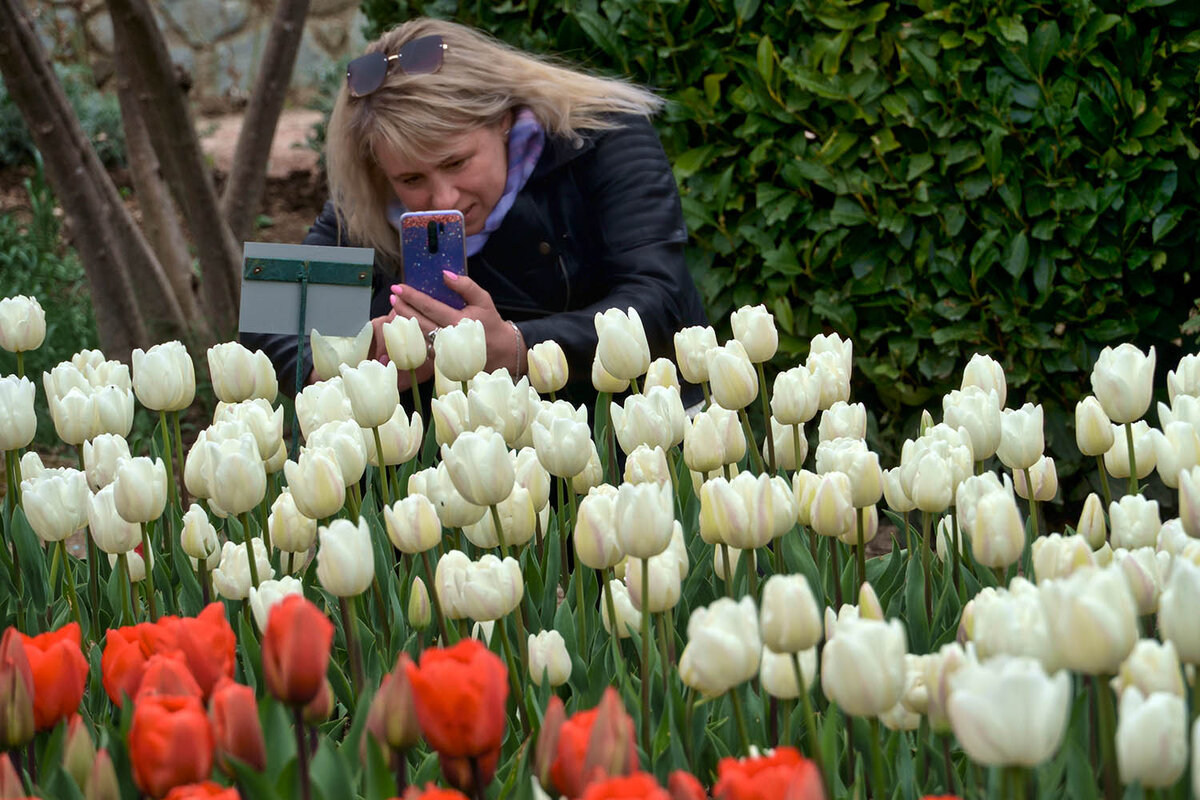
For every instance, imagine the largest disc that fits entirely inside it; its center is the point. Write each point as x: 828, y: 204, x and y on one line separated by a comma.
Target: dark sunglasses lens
x: 365, y: 74
x: 421, y: 55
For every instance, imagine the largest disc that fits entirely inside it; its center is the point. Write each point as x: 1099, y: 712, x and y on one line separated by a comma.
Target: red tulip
x: 295, y: 650
x: 460, y: 692
x: 392, y: 720
x: 639, y: 785
x: 59, y: 674
x: 203, y: 791
x: 167, y: 674
x: 233, y: 711
x: 784, y: 772
x: 170, y: 743
x: 432, y: 792
x: 16, y: 692
x: 684, y: 786
x: 594, y: 745
x: 126, y: 651
x: 208, y: 644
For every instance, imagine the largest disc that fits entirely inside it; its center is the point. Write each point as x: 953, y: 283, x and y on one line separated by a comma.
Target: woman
x: 569, y: 203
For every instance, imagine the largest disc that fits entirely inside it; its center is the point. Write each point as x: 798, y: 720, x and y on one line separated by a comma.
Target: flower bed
x: 657, y: 631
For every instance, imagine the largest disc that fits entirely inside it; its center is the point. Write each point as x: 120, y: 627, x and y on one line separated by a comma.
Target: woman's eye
x: 411, y: 180
x: 457, y: 163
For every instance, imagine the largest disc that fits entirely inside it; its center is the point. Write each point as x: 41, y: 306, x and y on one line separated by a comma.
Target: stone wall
x: 215, y: 43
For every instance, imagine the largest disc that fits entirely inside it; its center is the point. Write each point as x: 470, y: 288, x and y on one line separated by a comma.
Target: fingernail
x: 450, y: 275
x: 397, y: 288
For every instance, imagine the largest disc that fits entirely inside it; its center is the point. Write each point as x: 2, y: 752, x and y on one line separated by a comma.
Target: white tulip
x: 345, y: 557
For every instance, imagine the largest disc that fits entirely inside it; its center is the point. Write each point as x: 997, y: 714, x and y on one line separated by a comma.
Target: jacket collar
x: 561, y: 150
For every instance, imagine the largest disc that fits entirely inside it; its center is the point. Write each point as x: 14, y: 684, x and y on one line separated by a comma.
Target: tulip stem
x: 172, y: 499
x: 69, y: 579
x: 661, y: 623
x: 860, y: 548
x: 1104, y: 482
x: 565, y: 534
x: 907, y: 535
x: 148, y: 559
x: 202, y: 576
x: 646, y: 645
x: 301, y: 752
x: 707, y: 393
x: 728, y: 572
x: 1033, y: 505
x: 580, y: 610
x: 415, y: 387
x: 20, y: 364
x: 755, y: 456
x: 810, y: 722
x: 837, y: 573
x: 1015, y: 778
x: 385, y: 493
x: 1108, y: 726
x: 437, y: 603
x: 514, y: 676
x: 248, y: 541
x: 926, y: 558
x: 1133, y: 472
x: 947, y: 766
x: 350, y: 627
x: 878, y: 787
x: 179, y: 484
x: 740, y: 717
x: 956, y: 554
x: 796, y: 446
x: 766, y: 410
x: 126, y: 587
x: 614, y: 624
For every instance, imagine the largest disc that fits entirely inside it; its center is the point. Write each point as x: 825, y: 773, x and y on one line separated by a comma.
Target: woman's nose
x: 445, y: 195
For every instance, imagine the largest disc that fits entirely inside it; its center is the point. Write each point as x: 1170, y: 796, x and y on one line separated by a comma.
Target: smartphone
x: 432, y: 242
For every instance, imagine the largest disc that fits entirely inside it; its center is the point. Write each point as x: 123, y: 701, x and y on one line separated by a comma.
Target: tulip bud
x: 1093, y: 620
x: 495, y: 401
x: 419, y: 610
x: 843, y: 421
x: 233, y: 712
x: 595, y: 537
x: 18, y: 424
x: 831, y: 374
x: 264, y: 422
x: 789, y: 616
x: 1177, y: 609
x: 320, y: 403
x: 893, y: 492
x: 232, y: 578
x: 732, y: 375
x: 723, y: 648
x: 315, y: 480
x: 412, y: 524
x: 109, y: 531
x: 1044, y: 478
x: 460, y: 350
x: 794, y: 396
x: 295, y: 651
x: 491, y: 588
x: 1123, y: 379
x: 518, y: 521
x: 164, y: 378
x: 603, y: 382
x: 860, y: 465
x: 864, y: 670
x: 1151, y: 738
x: 112, y: 407
x: 140, y: 489
x: 345, y: 558
x: 533, y: 477
x: 291, y: 531
x: 479, y: 466
x: 998, y: 534
x: 548, y: 657
x: 562, y: 445
x: 547, y: 367
x: 629, y: 619
x: 1093, y: 428
x: 1091, y: 522
x: 777, y: 671
x: 453, y: 510
x: 1151, y: 667
x: 239, y: 375
x: 754, y: 327
x: 198, y: 537
x: 986, y: 373
x: 101, y: 457
x: 392, y: 717
x: 16, y: 692
x: 268, y: 594
x: 1176, y: 450
x: 831, y: 511
x: 647, y: 465
x: 330, y: 352
x: 56, y: 503
x: 406, y: 345
x: 1008, y: 712
x: 644, y: 517
x: 720, y: 554
x: 1021, y: 437
x: 102, y: 783
x: 1145, y: 452
x: 451, y: 415
x: 621, y: 345
x: 320, y: 708
x: 665, y: 582
x: 22, y: 324
x: 1135, y: 522
x: 79, y: 753
x: 1056, y: 556
x: 691, y: 348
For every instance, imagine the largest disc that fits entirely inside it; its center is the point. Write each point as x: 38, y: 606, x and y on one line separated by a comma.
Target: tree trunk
x: 119, y: 263
x: 168, y: 120
x: 243, y: 192
x: 160, y: 215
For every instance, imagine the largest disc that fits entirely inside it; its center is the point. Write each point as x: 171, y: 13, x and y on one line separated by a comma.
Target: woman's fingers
x: 469, y: 290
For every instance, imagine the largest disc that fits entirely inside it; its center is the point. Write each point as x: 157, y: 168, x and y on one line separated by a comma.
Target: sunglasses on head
x: 421, y: 56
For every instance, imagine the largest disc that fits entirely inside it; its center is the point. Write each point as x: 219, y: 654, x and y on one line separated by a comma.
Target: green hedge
x: 932, y: 178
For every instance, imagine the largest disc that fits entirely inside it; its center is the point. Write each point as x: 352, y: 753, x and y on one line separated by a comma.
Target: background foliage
x: 930, y: 177
x: 99, y: 115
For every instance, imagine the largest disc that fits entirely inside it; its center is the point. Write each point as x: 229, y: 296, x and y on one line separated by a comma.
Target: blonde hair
x: 480, y: 81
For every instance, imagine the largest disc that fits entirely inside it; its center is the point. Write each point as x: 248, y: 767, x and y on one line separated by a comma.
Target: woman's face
x: 468, y: 173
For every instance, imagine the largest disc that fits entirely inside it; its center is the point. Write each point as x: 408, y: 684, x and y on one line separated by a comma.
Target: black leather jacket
x: 598, y: 225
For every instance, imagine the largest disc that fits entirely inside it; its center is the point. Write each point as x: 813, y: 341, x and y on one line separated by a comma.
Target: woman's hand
x: 431, y: 314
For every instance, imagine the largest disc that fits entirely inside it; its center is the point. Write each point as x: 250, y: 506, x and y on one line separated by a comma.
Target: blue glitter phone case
x: 432, y: 242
